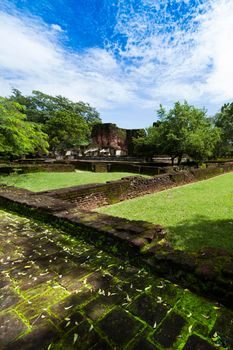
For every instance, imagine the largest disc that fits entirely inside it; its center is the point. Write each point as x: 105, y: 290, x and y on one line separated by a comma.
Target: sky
x: 124, y: 57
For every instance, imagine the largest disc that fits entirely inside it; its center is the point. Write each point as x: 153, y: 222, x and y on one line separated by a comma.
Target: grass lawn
x: 43, y: 181
x: 195, y: 215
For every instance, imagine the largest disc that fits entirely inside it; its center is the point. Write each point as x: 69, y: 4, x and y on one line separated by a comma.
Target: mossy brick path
x: 60, y: 293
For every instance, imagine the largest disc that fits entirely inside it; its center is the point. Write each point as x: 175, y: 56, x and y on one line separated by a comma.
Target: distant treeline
x: 39, y: 123
x: 187, y: 130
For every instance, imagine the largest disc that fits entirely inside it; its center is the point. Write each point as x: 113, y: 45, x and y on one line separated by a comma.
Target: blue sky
x: 124, y: 57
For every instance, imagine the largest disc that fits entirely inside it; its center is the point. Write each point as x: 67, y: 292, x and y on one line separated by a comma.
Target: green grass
x: 195, y: 215
x: 43, y: 181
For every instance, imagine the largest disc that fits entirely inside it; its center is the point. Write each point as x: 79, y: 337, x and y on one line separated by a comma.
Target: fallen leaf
x: 75, y: 338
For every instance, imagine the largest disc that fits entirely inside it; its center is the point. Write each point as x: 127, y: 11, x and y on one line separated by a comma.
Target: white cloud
x: 216, y: 42
x: 35, y: 60
x: 57, y: 28
x: 195, y: 65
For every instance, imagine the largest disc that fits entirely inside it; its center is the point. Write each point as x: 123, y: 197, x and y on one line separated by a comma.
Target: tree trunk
x: 179, y: 159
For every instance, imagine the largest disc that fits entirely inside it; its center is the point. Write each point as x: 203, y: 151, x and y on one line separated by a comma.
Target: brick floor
x: 60, y: 293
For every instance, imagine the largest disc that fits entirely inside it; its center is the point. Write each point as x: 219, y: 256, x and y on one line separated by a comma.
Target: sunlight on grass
x: 195, y: 215
x: 43, y: 181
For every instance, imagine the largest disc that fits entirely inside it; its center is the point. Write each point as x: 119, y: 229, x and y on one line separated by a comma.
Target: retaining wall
x: 32, y: 168
x: 95, y: 166
x: 208, y: 272
x: 96, y: 195
x: 108, y: 166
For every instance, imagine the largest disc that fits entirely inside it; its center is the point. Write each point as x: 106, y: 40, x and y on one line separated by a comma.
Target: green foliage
x: 121, y: 133
x: 147, y: 144
x: 224, y: 120
x: 67, y: 130
x: 68, y: 124
x: 184, y: 130
x: 41, y: 107
x: 18, y: 136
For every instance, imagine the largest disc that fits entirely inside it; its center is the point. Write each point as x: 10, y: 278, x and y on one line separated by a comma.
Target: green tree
x: 41, y: 107
x: 186, y: 129
x: 183, y: 130
x: 67, y: 130
x: 224, y: 121
x: 148, y: 144
x: 68, y: 124
x: 19, y: 137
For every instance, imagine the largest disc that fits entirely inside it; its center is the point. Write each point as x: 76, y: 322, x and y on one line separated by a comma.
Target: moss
x: 197, y: 308
x: 120, y: 308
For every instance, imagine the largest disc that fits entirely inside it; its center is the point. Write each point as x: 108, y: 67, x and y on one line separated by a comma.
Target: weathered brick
x: 148, y: 309
x: 167, y: 334
x: 143, y: 344
x: 11, y: 327
x: 8, y: 298
x: 195, y: 342
x: 120, y: 326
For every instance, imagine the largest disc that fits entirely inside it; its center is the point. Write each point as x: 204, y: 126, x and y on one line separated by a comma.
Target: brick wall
x: 93, y: 195
x: 208, y: 271
x: 96, y: 195
x: 30, y: 168
x: 109, y: 166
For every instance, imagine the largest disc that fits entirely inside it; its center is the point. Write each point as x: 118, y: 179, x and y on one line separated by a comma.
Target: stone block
x: 148, y: 310
x: 170, y: 329
x: 11, y: 327
x: 196, y: 343
x: 120, y: 327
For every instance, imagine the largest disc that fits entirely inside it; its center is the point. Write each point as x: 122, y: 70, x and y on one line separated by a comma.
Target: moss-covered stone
x: 169, y: 331
x: 89, y: 299
x: 120, y: 326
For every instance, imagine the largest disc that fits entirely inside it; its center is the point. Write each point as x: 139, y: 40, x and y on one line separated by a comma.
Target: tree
x: 148, y: 144
x: 19, y: 137
x: 41, y: 107
x: 68, y: 124
x: 224, y: 121
x: 184, y: 130
x: 67, y: 130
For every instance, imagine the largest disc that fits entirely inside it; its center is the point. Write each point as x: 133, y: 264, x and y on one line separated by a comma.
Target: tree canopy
x: 40, y: 122
x: 224, y: 121
x: 68, y: 124
x: 183, y: 130
x: 18, y: 136
x: 67, y: 130
x: 40, y: 107
x: 148, y: 144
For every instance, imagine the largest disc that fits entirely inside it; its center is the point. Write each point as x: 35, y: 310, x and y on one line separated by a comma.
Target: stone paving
x: 60, y: 293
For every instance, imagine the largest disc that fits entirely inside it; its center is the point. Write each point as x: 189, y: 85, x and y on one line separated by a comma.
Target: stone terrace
x: 60, y: 293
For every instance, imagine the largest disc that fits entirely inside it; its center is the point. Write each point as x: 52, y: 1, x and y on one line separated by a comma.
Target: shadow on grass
x: 202, y: 232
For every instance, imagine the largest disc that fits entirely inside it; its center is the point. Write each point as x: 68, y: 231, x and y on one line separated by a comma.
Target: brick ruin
x: 207, y: 272
x: 118, y: 284
x: 109, y: 140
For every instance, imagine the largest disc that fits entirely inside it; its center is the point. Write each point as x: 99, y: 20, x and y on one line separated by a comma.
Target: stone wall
x: 135, y: 168
x: 32, y: 168
x: 84, y: 165
x: 96, y: 195
x: 208, y: 272
x: 93, y: 195
x: 117, y: 166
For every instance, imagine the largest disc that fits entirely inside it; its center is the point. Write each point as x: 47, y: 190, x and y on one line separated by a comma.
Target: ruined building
x: 109, y: 140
